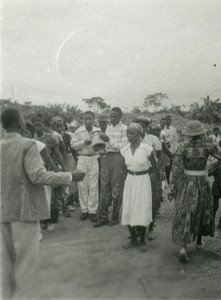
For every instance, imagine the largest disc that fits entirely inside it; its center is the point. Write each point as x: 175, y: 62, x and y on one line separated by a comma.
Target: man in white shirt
x: 172, y: 136
x: 113, y: 169
x: 87, y: 162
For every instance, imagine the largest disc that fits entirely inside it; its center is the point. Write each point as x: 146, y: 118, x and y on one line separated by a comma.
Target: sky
x: 121, y: 50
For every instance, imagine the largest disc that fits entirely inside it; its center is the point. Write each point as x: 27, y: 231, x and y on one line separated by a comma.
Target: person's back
x: 15, y: 184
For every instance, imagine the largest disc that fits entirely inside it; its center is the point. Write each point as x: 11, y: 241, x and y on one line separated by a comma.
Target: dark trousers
x: 215, y: 205
x: 112, y: 177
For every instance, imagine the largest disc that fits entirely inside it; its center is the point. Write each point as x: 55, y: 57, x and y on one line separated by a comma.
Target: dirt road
x: 79, y: 261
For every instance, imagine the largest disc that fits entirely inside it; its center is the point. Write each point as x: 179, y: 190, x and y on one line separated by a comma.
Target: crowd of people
x: 115, y: 173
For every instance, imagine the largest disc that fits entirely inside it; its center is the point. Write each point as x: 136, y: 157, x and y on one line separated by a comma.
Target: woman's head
x: 57, y: 124
x: 39, y: 126
x: 29, y: 130
x: 134, y: 133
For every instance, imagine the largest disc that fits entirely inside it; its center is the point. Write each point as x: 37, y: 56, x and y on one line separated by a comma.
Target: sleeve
x: 177, y: 166
x: 76, y: 143
x: 148, y: 150
x: 40, y: 145
x: 157, y: 144
x: 122, y: 151
x: 37, y: 173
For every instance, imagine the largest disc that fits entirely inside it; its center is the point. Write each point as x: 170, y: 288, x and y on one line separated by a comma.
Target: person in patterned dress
x: 193, y: 201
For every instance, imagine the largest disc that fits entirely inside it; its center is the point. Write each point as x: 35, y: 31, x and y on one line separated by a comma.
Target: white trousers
x: 19, y: 249
x: 88, y: 188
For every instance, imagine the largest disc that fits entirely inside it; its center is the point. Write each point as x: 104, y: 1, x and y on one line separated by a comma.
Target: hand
x: 87, y: 142
x: 78, y: 175
x: 171, y: 195
x: 104, y: 137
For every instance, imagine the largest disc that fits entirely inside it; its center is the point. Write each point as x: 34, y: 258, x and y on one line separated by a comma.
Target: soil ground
x: 78, y: 261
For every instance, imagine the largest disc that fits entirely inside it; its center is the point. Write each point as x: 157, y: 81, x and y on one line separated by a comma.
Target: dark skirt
x: 193, y: 209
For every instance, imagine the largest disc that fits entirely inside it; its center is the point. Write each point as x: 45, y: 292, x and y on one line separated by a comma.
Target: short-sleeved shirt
x: 139, y: 161
x: 152, y: 141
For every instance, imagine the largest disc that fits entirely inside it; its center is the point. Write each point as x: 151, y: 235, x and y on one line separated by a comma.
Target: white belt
x: 195, y: 173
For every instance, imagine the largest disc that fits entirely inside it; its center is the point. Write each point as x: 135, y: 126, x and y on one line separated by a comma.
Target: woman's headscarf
x: 136, y: 126
x: 55, y: 120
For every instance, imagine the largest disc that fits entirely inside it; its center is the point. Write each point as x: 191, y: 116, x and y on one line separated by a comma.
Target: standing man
x: 171, y: 132
x: 87, y: 162
x: 113, y: 169
x: 103, y: 122
x: 172, y: 136
x: 23, y: 203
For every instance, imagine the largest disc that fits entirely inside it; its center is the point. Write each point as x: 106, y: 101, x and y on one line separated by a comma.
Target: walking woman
x: 193, y: 202
x: 137, y: 196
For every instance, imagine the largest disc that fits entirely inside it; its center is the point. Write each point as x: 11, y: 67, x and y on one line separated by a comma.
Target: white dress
x: 137, y: 196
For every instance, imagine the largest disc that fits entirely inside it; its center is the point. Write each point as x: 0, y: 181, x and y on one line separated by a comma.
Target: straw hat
x: 194, y: 128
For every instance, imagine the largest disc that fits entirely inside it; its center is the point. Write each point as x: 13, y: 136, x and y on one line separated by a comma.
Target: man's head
x: 115, y: 115
x: 103, y: 121
x: 216, y: 131
x: 162, y: 122
x: 12, y: 120
x: 88, y: 120
x: 168, y: 120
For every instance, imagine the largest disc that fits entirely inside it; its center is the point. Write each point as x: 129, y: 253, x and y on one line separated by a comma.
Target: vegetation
x: 209, y: 112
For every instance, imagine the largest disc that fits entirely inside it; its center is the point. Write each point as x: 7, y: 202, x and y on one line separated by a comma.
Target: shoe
x: 51, y: 227
x: 101, y: 223
x: 113, y: 223
x: 84, y: 216
x: 131, y: 244
x: 143, y: 247
x: 93, y: 218
x: 200, y: 246
x: 183, y: 255
x: 150, y: 235
x: 71, y: 208
x: 66, y: 213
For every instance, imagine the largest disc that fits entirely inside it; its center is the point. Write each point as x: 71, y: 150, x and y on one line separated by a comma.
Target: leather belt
x: 195, y: 173
x: 138, y: 173
x: 86, y: 155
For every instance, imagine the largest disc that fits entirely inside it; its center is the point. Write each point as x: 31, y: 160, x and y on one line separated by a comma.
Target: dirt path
x: 79, y: 261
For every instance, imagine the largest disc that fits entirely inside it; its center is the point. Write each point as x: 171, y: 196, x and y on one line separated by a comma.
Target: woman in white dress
x: 137, y: 196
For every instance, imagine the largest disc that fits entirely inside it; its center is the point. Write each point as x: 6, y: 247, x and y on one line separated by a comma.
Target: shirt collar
x: 118, y: 125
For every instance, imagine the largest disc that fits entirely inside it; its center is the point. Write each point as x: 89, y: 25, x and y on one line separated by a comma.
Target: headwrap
x: 56, y: 119
x: 136, y: 126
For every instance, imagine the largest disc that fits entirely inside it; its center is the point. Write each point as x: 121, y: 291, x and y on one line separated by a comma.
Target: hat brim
x: 194, y: 133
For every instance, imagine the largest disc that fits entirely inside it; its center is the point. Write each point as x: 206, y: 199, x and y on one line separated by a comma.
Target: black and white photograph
x: 110, y: 121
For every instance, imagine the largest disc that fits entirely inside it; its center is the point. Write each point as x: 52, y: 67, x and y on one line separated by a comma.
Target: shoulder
x: 146, y: 148
x: 40, y: 145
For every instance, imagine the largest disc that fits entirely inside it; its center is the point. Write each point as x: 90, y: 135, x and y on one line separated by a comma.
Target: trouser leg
x: 167, y: 170
x: 215, y: 206
x: 118, y: 176
x: 105, y: 189
x: 93, y: 186
x: 83, y: 186
x: 7, y: 262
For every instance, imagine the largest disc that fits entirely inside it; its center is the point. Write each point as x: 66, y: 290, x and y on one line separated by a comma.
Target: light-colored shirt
x: 118, y: 137
x: 77, y: 141
x: 152, y: 141
x: 139, y: 161
x: 172, y: 136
